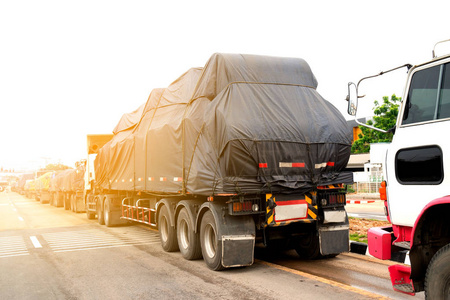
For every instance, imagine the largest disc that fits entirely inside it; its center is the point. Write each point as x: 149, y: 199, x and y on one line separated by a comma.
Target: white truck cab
x: 416, y: 191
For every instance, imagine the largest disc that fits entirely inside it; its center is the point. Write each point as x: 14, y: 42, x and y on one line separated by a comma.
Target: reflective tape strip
x: 324, y: 164
x: 177, y: 179
x: 151, y: 178
x: 162, y: 179
x: 291, y: 165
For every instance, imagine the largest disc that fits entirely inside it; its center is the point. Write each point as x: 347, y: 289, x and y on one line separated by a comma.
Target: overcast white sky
x: 71, y: 68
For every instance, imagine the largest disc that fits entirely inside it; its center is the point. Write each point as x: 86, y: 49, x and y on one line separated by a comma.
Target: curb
x: 360, y: 201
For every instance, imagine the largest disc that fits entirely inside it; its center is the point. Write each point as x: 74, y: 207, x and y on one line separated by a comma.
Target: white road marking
x: 96, y: 239
x: 35, y: 242
x: 12, y: 246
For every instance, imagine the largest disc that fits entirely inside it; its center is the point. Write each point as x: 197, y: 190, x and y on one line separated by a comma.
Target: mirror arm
x: 409, y: 66
x: 392, y: 130
x: 372, y: 127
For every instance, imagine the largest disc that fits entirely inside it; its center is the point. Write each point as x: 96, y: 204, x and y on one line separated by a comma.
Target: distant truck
x: 3, y: 185
x: 416, y: 192
x: 42, y: 185
x: 244, y: 150
x: 22, y: 180
x: 67, y: 188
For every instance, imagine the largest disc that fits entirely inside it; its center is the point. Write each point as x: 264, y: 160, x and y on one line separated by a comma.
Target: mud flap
x: 334, y: 239
x: 238, y: 250
x: 236, y: 235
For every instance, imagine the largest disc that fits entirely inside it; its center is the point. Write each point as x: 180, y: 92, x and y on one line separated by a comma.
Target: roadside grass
x: 359, y: 228
x: 362, y: 238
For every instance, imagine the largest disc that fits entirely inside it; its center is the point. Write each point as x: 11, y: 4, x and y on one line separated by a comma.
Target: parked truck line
x: 242, y: 151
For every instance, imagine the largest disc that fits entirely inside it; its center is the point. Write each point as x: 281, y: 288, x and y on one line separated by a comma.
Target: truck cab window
x: 421, y: 100
x: 428, y: 96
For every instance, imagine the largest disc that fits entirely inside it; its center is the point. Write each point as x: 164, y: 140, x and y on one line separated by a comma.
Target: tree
x: 385, y: 117
x: 56, y: 167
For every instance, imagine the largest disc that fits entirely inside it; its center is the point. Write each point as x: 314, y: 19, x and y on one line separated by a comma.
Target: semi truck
x: 67, y: 188
x: 239, y: 152
x: 22, y: 180
x: 42, y: 186
x: 416, y: 190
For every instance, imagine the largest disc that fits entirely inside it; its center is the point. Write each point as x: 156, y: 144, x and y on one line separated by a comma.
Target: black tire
x: 66, y: 198
x: 107, y: 213
x: 308, y: 247
x: 211, y: 246
x: 100, y: 215
x: 188, y: 240
x: 75, y: 203
x: 89, y: 214
x: 437, y: 278
x: 72, y: 204
x: 59, y: 199
x: 167, y: 233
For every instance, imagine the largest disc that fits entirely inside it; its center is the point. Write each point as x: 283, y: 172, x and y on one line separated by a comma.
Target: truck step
x: 405, y: 245
x: 405, y: 288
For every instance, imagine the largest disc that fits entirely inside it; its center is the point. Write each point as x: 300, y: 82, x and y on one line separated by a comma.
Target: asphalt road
x: 373, y: 210
x: 49, y: 253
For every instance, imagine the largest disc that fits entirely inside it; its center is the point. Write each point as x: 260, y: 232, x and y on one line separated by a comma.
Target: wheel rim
x: 210, y: 241
x: 184, y: 234
x: 164, y: 230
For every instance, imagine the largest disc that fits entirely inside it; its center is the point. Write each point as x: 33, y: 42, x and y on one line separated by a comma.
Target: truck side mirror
x: 352, y: 98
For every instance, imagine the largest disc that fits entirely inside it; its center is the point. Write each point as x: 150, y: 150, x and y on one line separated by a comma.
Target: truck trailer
x: 416, y: 191
x: 241, y: 151
x: 67, y: 188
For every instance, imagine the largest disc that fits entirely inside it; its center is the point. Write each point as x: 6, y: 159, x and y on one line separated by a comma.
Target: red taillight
x: 245, y: 206
x: 263, y: 165
x: 382, y: 190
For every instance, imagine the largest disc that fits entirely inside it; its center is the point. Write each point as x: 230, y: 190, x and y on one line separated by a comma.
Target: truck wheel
x: 75, y: 206
x: 71, y: 201
x: 211, y: 247
x: 167, y: 233
x: 59, y: 199
x: 100, y: 215
x: 66, y: 201
x: 308, y: 247
x: 107, y: 213
x: 437, y: 278
x: 188, y: 240
x: 90, y: 214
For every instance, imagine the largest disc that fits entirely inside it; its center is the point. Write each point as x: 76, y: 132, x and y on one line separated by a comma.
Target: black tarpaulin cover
x: 70, y: 180
x: 241, y: 124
